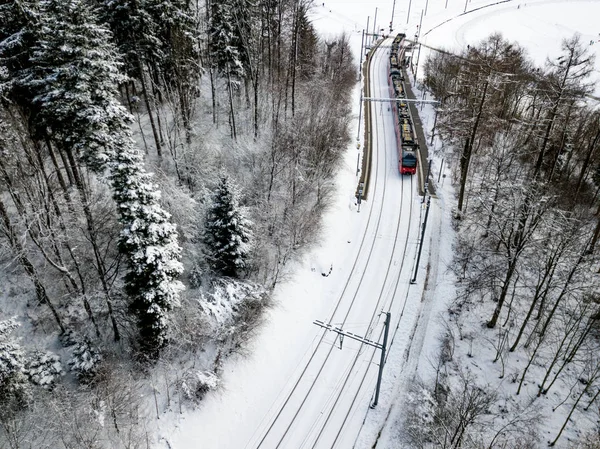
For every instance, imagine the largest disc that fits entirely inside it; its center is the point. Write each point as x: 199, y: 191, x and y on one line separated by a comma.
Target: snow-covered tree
x: 16, y: 37
x: 74, y: 83
x: 228, y: 233
x: 13, y: 383
x: 85, y: 360
x: 159, y: 41
x: 43, y: 368
x: 74, y: 74
x: 225, y: 41
x: 150, y: 242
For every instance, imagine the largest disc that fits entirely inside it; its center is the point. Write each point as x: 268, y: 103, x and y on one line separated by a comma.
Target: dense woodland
x: 155, y: 155
x: 524, y: 142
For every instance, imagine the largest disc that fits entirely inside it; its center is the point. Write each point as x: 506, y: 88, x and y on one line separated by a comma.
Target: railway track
x: 329, y: 418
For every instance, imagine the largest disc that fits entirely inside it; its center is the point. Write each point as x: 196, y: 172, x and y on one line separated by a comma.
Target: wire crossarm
x: 348, y: 334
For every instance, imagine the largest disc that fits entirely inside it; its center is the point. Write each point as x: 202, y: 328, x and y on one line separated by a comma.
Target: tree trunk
x: 505, y: 287
x: 231, y: 110
x: 466, y: 156
x: 586, y: 162
x: 93, y: 234
x: 149, y: 109
x: 14, y: 242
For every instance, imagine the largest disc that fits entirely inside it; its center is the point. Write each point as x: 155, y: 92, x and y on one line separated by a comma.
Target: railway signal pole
x: 342, y: 333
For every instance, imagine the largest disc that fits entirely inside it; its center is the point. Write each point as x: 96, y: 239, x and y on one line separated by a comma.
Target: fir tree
x: 134, y: 32
x: 150, y: 242
x: 227, y: 234
x: 43, y: 368
x: 16, y: 36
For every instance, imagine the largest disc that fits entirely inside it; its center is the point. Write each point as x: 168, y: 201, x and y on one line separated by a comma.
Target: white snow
x: 237, y: 415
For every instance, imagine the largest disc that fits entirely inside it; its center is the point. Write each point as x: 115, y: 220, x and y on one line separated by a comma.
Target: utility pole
x: 414, y: 279
x: 342, y: 333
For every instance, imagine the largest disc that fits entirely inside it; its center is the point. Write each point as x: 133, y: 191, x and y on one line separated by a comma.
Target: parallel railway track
x: 328, y: 421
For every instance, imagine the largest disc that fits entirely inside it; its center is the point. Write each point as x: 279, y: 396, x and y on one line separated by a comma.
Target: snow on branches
x: 227, y: 234
x: 73, y: 83
x: 14, y: 391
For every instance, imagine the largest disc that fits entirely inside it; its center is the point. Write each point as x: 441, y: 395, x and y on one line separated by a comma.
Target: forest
x: 162, y: 161
x: 523, y: 143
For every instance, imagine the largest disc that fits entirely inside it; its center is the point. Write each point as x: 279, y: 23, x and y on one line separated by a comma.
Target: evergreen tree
x: 13, y: 383
x: 74, y: 82
x: 225, y: 40
x: 16, y: 36
x: 159, y: 33
x: 227, y: 232
x: 43, y: 368
x: 134, y: 31
x: 150, y: 242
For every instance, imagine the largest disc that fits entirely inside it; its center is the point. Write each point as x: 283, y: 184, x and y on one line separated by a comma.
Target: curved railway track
x: 333, y: 417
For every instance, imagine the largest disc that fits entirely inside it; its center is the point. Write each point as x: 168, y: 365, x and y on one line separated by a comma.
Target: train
x: 406, y: 138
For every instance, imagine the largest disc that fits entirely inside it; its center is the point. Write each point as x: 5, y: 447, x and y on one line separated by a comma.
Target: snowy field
x: 254, y: 384
x: 537, y: 25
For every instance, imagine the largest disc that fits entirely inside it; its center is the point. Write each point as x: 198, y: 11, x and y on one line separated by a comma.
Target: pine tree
x: 227, y: 234
x: 134, y: 32
x: 16, y: 37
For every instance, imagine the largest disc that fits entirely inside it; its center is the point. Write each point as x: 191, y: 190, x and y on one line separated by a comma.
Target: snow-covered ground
x: 254, y: 385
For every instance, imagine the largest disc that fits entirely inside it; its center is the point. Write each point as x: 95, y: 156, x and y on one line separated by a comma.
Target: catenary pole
x: 414, y: 279
x: 374, y: 23
x: 362, y: 43
x: 342, y: 333
x: 382, y: 360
